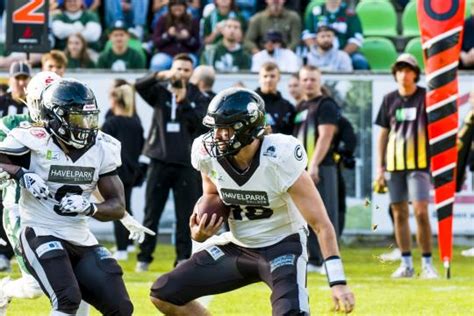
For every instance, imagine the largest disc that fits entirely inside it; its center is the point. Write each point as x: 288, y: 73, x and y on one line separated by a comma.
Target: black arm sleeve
x: 149, y: 89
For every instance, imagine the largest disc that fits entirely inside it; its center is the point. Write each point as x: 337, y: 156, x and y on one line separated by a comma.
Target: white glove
x: 4, y: 175
x: 73, y: 205
x: 137, y: 230
x: 33, y: 183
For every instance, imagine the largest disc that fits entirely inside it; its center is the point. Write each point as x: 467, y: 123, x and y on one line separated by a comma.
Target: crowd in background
x: 230, y: 35
x: 185, y: 43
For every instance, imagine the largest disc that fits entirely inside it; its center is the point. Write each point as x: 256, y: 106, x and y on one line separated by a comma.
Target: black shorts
x: 69, y: 273
x: 219, y: 269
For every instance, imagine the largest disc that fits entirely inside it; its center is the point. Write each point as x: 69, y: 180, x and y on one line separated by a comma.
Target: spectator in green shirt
x: 274, y: 17
x: 74, y: 19
x: 228, y: 55
x: 346, y: 23
x: 120, y: 57
x: 214, y: 22
x: 77, y: 54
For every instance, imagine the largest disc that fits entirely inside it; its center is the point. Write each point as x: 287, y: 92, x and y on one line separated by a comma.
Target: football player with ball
x: 270, y: 200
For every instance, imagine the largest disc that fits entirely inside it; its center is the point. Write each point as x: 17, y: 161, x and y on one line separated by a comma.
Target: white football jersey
x: 63, y: 177
x: 262, y: 211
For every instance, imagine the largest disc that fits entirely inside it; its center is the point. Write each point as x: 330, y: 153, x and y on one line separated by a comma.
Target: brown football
x: 212, y: 204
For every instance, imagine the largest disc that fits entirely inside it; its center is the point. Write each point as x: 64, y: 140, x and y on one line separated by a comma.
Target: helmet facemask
x: 71, y: 113
x: 77, y: 128
x: 245, y: 130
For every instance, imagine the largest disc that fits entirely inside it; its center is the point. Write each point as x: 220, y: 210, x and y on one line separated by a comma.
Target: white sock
x: 426, y: 260
x: 83, y: 309
x: 407, y: 260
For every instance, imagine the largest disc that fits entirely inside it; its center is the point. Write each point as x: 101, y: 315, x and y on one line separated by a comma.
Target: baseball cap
x: 19, y: 68
x: 119, y: 25
x: 306, y: 34
x: 407, y: 59
x: 274, y: 36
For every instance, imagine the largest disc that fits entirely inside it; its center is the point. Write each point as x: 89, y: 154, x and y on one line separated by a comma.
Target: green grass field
x: 376, y: 293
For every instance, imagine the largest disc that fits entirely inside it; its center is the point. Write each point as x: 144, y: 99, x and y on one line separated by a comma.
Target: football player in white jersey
x: 58, y: 165
x: 263, y: 180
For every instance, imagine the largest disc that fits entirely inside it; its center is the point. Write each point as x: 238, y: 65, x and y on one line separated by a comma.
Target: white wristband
x: 335, y: 271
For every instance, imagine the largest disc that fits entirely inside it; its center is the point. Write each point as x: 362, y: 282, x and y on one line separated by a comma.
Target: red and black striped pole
x: 441, y: 25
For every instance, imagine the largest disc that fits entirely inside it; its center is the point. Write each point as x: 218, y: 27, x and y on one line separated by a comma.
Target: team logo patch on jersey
x: 270, y: 152
x: 71, y: 174
x: 298, y: 153
x: 38, y: 132
x: 47, y: 247
x: 239, y: 197
x: 285, y: 260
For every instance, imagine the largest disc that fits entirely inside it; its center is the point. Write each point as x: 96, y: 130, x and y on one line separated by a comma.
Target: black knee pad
x: 166, y: 290
x: 69, y: 300
x: 123, y: 307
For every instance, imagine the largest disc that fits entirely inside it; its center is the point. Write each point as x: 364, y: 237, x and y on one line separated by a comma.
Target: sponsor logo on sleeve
x: 270, y: 152
x: 71, y: 174
x: 38, y: 132
x: 250, y: 198
x: 298, y: 153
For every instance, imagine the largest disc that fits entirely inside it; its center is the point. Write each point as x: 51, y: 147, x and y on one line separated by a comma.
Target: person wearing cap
x: 228, y: 55
x: 74, y: 19
x: 275, y: 52
x: 325, y: 55
x: 14, y: 101
x: 120, y: 56
x: 403, y: 163
x: 274, y: 17
x: 346, y: 24
x: 308, y: 40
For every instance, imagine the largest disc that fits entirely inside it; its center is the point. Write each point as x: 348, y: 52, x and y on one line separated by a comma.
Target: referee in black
x: 179, y: 107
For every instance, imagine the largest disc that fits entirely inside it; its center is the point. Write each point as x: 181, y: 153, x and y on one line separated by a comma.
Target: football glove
x: 4, y: 179
x: 73, y: 205
x: 33, y: 183
x: 137, y: 230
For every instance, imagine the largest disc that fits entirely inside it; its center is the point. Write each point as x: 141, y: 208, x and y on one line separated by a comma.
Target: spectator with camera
x: 178, y: 109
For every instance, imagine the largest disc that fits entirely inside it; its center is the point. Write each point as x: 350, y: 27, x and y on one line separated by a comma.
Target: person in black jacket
x: 177, y: 119
x: 280, y: 113
x: 126, y: 127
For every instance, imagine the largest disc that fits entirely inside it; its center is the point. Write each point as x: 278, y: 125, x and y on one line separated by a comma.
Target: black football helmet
x: 71, y: 112
x: 239, y: 109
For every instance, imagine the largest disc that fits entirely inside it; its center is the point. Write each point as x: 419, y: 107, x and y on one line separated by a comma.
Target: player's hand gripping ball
x: 211, y: 204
